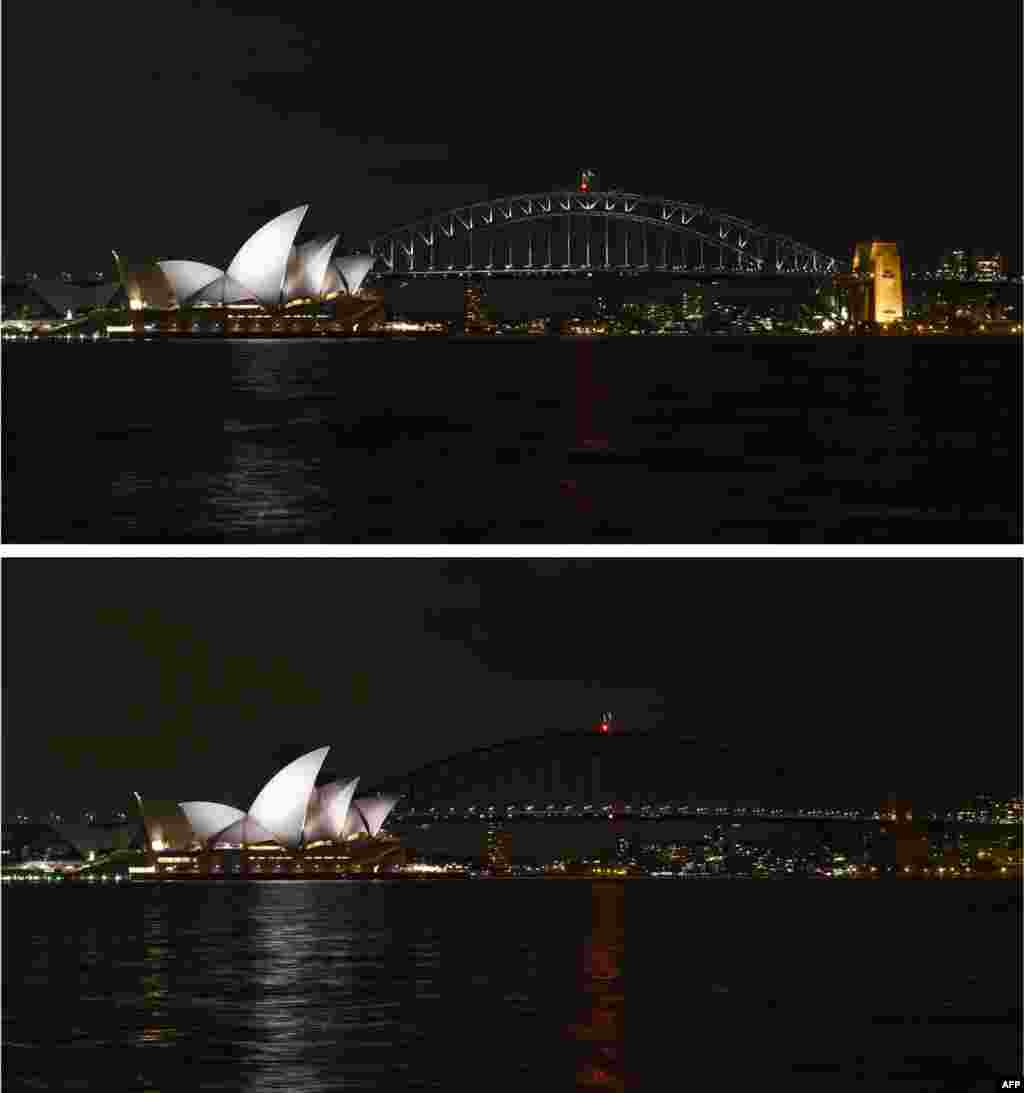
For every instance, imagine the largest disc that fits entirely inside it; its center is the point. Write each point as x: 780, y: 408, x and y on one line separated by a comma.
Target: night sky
x: 192, y: 678
x: 176, y: 129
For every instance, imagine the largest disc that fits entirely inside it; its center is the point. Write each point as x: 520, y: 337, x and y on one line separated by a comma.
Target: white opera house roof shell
x: 269, y: 271
x: 290, y: 810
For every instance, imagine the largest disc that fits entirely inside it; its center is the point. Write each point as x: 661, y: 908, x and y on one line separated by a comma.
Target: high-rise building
x: 989, y: 267
x: 472, y: 299
x: 474, y: 319
x: 498, y: 850
x: 901, y: 843
x: 972, y: 265
x: 954, y: 265
x: 876, y: 289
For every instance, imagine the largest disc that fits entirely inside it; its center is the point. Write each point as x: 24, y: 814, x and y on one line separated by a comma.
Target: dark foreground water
x: 630, y: 439
x: 513, y: 985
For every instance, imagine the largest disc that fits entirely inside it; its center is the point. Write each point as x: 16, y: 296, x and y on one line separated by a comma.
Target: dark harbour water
x: 512, y: 985
x: 630, y: 439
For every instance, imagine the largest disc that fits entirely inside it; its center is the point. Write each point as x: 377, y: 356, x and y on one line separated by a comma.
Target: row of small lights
x: 424, y: 867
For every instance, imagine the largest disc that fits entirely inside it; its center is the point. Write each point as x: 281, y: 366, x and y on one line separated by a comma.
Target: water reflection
x: 504, y: 986
x: 661, y: 440
x: 264, y: 492
x: 599, y: 1032
x: 157, y: 1029
x: 288, y: 941
x: 589, y: 395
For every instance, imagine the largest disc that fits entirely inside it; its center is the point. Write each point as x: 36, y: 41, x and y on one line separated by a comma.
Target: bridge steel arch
x: 574, y: 767
x: 692, y: 238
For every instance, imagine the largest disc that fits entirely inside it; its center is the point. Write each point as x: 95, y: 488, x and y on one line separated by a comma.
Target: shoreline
x: 523, y: 339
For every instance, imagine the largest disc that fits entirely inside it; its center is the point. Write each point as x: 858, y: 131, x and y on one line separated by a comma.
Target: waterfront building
x: 576, y: 327
x: 269, y: 272
x: 166, y: 826
x: 471, y: 304
x: 475, y: 320
x: 989, y: 267
x: 961, y: 264
x: 876, y: 287
x: 901, y: 845
x: 953, y: 265
x: 293, y: 827
x: 403, y: 325
x: 472, y: 316
x: 498, y: 850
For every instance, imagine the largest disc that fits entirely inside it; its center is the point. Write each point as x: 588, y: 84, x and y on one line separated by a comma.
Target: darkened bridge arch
x: 584, y: 767
x: 653, y: 233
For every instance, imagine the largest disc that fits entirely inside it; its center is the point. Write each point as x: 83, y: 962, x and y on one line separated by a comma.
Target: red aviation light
x: 604, y: 726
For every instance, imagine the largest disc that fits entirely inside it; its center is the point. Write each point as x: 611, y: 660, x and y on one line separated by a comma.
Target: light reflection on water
x: 264, y: 493
x: 671, y: 440
x: 600, y: 1030
x: 506, y: 985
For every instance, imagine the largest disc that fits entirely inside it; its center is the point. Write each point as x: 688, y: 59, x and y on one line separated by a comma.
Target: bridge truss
x: 569, y: 231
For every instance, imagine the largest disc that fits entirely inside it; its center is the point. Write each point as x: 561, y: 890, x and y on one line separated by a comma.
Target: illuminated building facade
x: 474, y: 319
x: 498, y: 850
x: 268, y: 272
x: 976, y: 265
x: 876, y: 288
x: 901, y: 846
x: 954, y: 265
x: 292, y: 828
x: 584, y: 327
x: 989, y: 267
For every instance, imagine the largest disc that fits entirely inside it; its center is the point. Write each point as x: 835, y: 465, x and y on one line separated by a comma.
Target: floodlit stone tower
x: 876, y: 293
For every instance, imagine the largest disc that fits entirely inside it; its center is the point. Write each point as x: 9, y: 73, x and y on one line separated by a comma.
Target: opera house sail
x: 268, y: 274
x: 293, y: 828
x: 283, y: 802
x: 307, y: 269
x: 262, y: 261
x: 353, y: 269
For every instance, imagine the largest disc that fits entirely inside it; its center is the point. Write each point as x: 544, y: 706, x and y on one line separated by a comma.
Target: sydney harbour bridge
x: 583, y: 231
x: 595, y: 774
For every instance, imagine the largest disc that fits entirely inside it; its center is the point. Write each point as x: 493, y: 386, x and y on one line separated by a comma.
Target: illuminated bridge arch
x: 571, y: 231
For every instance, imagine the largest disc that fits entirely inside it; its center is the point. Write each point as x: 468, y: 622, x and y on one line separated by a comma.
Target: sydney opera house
x: 270, y: 282
x: 294, y: 828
